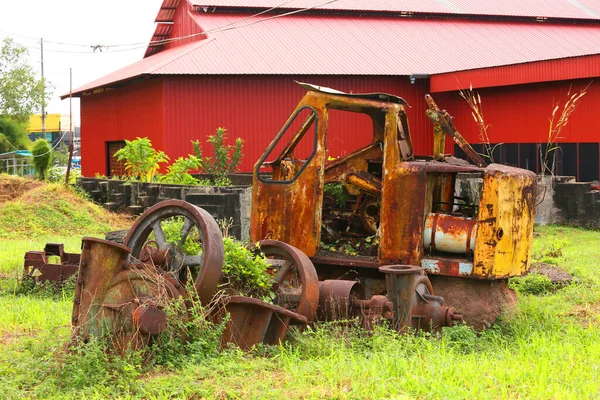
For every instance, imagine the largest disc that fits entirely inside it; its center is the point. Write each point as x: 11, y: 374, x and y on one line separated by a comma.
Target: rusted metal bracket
x: 443, y: 121
x: 38, y: 268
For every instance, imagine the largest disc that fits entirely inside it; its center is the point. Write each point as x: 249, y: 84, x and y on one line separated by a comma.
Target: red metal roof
x: 577, y: 9
x: 359, y: 45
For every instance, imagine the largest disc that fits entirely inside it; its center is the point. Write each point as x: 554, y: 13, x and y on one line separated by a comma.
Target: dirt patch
x: 556, y: 274
x: 12, y: 187
x: 479, y: 301
x: 587, y: 314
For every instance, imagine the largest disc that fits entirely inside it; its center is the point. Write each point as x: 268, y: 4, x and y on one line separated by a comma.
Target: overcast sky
x: 84, y: 22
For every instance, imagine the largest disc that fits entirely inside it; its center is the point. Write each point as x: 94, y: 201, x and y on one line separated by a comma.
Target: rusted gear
x: 209, y: 261
x: 296, y: 281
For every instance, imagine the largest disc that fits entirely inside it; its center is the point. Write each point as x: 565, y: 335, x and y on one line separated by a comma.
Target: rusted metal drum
x: 336, y: 299
x: 450, y: 234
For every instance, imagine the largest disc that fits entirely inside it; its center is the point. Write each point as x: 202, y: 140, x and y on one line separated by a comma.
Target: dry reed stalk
x: 473, y: 99
x: 556, y: 126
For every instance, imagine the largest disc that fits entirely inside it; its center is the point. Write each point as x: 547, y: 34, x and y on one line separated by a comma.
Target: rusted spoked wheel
x: 178, y: 236
x: 296, y: 281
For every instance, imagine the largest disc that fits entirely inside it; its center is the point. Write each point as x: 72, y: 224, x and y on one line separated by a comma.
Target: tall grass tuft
x: 557, y: 124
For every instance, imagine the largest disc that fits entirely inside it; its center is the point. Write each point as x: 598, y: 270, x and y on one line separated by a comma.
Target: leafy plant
x: 191, y: 339
x: 141, y: 160
x: 338, y: 192
x: 225, y: 160
x: 246, y: 272
x: 42, y: 157
x: 178, y: 172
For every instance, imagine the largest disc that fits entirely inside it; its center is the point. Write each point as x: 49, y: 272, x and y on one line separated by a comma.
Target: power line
x: 140, y: 45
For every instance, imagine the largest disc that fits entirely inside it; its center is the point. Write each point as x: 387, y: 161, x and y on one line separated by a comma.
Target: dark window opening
x: 114, y: 167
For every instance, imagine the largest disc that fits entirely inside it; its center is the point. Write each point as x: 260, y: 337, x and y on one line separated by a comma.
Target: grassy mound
x: 39, y: 209
x: 12, y: 187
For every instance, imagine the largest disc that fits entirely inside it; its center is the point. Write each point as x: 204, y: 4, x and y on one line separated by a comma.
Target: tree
x: 13, y: 135
x: 42, y: 157
x: 21, y: 93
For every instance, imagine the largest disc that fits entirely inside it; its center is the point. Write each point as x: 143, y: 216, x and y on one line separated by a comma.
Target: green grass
x: 548, y: 348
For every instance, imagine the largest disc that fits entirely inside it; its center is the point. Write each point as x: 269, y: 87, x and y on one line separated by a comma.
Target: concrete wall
x: 229, y: 203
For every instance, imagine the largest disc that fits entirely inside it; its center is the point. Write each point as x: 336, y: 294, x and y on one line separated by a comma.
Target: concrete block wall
x: 228, y: 203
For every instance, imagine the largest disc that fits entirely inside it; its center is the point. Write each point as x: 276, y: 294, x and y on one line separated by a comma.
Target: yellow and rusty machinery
x: 396, y: 208
x: 408, y: 227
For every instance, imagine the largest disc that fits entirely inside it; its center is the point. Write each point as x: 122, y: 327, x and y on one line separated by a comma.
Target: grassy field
x: 547, y: 348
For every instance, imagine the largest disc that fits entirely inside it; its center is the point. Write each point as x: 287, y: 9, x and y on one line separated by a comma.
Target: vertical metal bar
x: 577, y: 161
x: 70, y: 125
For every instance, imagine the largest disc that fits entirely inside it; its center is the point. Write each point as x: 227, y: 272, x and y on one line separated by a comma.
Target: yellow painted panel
x: 52, y: 123
x: 505, y: 230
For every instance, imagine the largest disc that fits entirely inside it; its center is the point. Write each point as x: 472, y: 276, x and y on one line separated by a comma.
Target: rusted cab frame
x: 288, y: 207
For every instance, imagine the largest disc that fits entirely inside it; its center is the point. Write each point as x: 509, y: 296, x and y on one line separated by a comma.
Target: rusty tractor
x: 373, y: 248
x: 385, y: 206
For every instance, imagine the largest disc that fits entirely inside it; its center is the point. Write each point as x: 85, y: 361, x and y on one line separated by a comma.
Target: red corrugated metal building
x: 215, y: 63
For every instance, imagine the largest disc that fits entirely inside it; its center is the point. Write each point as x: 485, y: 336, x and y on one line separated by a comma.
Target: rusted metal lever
x: 442, y: 120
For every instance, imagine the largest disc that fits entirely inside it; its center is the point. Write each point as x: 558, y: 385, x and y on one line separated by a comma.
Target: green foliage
x: 42, y: 157
x: 245, y: 272
x: 536, y: 284
x: 13, y: 135
x: 172, y: 231
x: 21, y: 93
x: 178, y: 172
x: 191, y: 339
x: 60, y: 155
x: 338, y: 192
x: 142, y: 161
x: 58, y: 174
x: 225, y: 159
x: 550, y: 253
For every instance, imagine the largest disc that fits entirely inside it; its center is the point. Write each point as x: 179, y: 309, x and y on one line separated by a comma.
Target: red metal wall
x: 256, y: 107
x: 125, y: 113
x: 520, y: 113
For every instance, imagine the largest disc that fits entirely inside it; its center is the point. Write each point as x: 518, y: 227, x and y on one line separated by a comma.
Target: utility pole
x: 43, y: 91
x: 70, y: 125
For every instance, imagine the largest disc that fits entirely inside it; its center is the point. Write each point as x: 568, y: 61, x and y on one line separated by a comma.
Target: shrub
x: 42, y: 157
x: 225, y: 160
x: 245, y: 271
x: 141, y: 160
